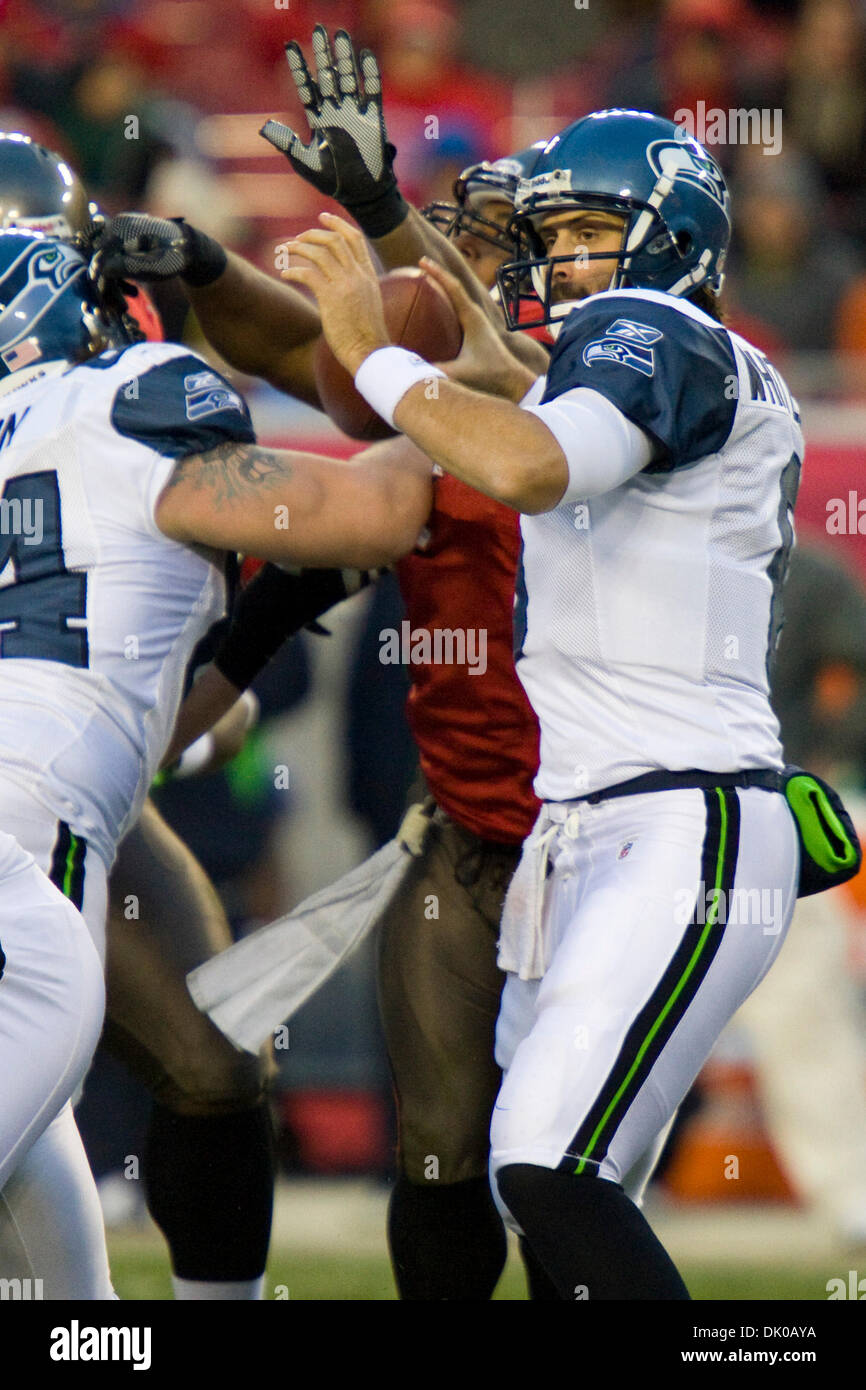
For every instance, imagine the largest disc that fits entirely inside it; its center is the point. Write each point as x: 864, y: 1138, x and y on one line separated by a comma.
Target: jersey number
x: 789, y: 485
x: 35, y: 610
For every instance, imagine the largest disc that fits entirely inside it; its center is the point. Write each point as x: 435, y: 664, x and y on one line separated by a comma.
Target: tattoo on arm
x: 232, y: 470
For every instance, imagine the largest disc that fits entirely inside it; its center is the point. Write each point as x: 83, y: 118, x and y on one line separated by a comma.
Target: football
x: 419, y: 316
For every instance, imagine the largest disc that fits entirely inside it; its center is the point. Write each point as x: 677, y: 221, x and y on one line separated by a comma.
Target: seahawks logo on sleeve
x: 207, y: 393
x: 181, y: 407
x: 626, y: 342
x: 667, y: 367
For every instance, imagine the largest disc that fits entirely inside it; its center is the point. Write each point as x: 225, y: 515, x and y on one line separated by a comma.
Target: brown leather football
x: 419, y: 316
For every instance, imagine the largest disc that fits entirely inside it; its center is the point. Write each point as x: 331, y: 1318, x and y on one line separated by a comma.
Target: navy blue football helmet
x: 670, y: 193
x: 490, y: 179
x: 40, y: 193
x: 50, y: 308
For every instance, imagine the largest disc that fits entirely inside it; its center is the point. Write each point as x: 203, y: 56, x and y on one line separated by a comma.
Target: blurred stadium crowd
x: 157, y: 104
x: 468, y: 81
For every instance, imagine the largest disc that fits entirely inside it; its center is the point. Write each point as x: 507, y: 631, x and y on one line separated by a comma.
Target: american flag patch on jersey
x: 22, y: 354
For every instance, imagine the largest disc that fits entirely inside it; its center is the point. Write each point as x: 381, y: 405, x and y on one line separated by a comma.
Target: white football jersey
x: 653, y: 609
x: 99, y: 611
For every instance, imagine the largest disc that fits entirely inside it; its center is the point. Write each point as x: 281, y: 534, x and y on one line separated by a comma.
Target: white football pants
x: 659, y: 915
x: 52, y: 1000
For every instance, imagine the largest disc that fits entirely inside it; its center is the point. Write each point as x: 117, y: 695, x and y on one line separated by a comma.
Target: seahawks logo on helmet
x: 50, y: 308
x: 684, y: 159
x: 55, y: 263
x: 48, y: 268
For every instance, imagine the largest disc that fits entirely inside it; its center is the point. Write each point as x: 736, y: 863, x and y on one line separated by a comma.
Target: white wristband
x: 387, y: 374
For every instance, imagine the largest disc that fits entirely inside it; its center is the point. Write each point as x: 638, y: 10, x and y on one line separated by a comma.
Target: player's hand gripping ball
x: 333, y: 262
x: 418, y: 316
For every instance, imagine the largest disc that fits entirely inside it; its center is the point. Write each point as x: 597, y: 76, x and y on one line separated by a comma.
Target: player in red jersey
x: 439, y: 984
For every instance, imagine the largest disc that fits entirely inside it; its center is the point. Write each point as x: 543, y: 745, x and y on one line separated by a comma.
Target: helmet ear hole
x: 659, y: 244
x: 685, y: 242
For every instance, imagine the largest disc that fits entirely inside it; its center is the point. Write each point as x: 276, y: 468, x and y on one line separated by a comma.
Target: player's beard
x: 562, y: 292
x: 568, y: 294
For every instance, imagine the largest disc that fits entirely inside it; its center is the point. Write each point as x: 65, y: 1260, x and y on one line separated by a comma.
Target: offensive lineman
x: 131, y: 497
x: 656, y: 464
x: 208, y: 1165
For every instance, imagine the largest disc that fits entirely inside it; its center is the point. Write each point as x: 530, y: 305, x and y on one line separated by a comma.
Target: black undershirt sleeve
x: 272, y: 607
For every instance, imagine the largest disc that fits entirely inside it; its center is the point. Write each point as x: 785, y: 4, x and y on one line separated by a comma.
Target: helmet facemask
x: 453, y: 218
x: 479, y: 183
x: 648, y: 257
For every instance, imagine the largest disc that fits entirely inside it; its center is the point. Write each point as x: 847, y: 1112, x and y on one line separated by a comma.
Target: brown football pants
x: 439, y: 989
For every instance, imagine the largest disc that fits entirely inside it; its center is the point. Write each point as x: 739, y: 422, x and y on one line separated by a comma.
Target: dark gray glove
x: 348, y: 157
x: 136, y: 246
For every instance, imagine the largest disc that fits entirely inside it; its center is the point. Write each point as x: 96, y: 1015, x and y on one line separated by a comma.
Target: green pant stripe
x: 69, y: 867
x: 67, y: 864
x: 678, y: 988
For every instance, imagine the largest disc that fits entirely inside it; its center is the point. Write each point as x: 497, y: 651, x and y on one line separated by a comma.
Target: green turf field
x: 140, y: 1271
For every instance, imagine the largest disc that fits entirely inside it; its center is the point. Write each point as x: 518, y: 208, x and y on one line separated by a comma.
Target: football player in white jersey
x: 164, y: 916
x: 656, y: 465
x: 126, y: 474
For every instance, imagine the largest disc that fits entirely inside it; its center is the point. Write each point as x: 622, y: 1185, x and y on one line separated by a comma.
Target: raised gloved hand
x: 136, y: 246
x: 348, y: 157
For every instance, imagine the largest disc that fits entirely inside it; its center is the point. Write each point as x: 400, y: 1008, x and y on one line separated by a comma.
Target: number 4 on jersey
x: 43, y: 609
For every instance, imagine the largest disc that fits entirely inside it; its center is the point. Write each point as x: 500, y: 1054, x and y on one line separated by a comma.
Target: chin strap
x: 663, y: 185
x: 696, y: 276
x: 693, y: 278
